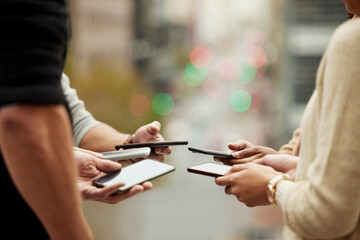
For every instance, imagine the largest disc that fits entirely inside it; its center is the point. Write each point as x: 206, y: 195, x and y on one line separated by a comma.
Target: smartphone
x: 127, y: 154
x: 210, y: 169
x: 211, y: 152
x: 151, y: 144
x: 135, y: 174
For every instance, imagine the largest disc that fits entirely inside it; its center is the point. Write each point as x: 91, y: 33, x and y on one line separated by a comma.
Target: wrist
x: 129, y: 139
x: 271, y: 187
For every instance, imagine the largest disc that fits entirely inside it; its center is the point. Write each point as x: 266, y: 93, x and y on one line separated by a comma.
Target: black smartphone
x: 151, y: 144
x: 134, y: 174
x: 211, y: 152
x: 210, y: 169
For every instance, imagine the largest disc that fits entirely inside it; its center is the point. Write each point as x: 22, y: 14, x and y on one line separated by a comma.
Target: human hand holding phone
x: 92, y: 165
x: 151, y: 133
x: 134, y: 174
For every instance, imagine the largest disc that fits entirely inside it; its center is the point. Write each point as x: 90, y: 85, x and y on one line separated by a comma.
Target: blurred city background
x: 211, y: 72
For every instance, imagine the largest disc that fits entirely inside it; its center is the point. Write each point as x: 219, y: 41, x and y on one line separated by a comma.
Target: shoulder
x: 347, y: 36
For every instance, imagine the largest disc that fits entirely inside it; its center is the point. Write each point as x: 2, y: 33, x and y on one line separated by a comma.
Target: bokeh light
x: 194, y: 76
x: 212, y: 89
x: 247, y: 73
x: 226, y: 69
x: 139, y: 105
x: 253, y: 37
x: 200, y: 57
x: 256, y: 56
x: 256, y: 101
x: 240, y: 101
x: 163, y: 104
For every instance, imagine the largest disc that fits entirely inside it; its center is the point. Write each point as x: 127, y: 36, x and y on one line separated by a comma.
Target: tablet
x: 151, y: 144
x: 127, y: 154
x: 210, y: 169
x: 135, y: 174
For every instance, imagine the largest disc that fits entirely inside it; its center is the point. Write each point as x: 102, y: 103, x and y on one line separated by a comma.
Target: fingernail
x: 236, y: 154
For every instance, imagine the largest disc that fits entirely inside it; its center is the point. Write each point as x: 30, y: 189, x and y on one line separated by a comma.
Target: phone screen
x: 151, y: 144
x: 210, y: 169
x: 134, y: 174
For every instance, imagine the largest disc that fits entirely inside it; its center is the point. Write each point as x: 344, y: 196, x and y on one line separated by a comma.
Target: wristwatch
x: 130, y: 139
x: 271, y: 187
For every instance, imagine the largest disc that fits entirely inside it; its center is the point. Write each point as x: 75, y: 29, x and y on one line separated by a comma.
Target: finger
x: 103, y: 193
x: 225, y: 161
x: 163, y: 150
x: 245, y: 160
x: 228, y: 190
x: 222, y: 181
x: 157, y: 157
x: 115, y: 198
x: 153, y: 128
x: 247, y: 152
x: 107, y: 165
x: 239, y: 167
x: 239, y: 145
x: 147, y: 186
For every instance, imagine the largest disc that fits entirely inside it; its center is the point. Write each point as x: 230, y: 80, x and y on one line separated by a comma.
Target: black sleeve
x: 33, y: 44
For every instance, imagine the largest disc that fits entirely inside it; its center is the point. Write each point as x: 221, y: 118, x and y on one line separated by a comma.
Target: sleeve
x: 293, y: 146
x: 82, y: 120
x: 326, y: 204
x: 33, y: 45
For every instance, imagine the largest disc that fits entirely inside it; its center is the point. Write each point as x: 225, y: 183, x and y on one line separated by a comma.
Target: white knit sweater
x: 324, y: 202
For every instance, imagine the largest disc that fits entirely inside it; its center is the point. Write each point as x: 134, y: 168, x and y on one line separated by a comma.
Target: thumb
x: 153, y: 128
x: 107, y: 165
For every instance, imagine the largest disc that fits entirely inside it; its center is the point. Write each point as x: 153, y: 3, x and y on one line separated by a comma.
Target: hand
x: 91, y: 166
x: 245, y: 152
x: 151, y: 133
x: 248, y: 183
x: 280, y: 162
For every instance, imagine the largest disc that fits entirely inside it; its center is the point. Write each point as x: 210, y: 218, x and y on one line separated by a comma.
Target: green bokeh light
x: 240, y: 101
x: 163, y: 104
x: 194, y: 76
x: 247, y: 73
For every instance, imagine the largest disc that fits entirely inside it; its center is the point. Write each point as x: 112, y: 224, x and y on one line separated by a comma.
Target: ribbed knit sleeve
x: 82, y: 120
x: 324, y: 202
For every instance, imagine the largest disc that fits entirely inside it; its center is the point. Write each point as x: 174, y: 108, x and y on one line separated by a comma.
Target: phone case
x: 211, y: 152
x: 127, y: 154
x: 151, y: 144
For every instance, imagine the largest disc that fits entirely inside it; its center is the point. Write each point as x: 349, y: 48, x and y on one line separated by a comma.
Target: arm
x: 100, y: 137
x: 327, y: 201
x: 38, y: 155
x: 243, y: 151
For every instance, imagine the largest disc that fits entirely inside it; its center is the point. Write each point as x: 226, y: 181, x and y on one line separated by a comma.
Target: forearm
x: 36, y: 144
x: 102, y: 138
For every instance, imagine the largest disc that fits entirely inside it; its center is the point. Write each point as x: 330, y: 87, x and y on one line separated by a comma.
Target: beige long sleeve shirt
x: 324, y: 201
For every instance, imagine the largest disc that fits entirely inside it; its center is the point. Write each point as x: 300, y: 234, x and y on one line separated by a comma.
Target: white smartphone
x: 210, y: 169
x: 127, y: 154
x: 134, y: 174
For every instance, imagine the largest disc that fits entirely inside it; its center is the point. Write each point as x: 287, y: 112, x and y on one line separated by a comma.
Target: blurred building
x: 101, y: 31
x: 310, y: 26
